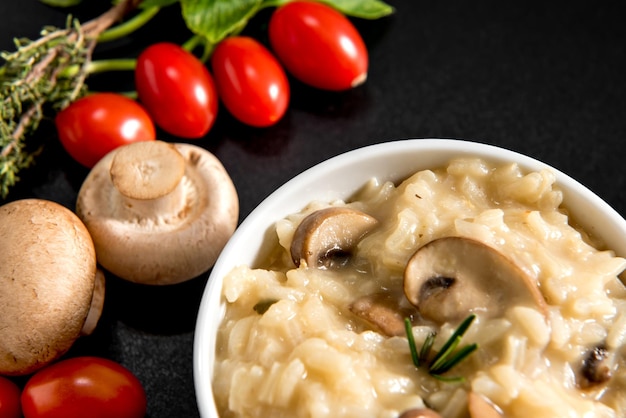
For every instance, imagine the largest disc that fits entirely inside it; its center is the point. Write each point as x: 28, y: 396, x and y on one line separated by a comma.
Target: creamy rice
x: 308, y: 355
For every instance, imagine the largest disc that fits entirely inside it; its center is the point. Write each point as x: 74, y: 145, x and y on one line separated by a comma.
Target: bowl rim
x: 580, y: 201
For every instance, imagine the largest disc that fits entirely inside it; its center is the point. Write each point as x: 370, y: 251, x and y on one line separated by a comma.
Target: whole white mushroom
x: 159, y: 213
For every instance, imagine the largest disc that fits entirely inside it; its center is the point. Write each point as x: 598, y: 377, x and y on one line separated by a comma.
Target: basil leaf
x: 364, y: 9
x: 146, y: 4
x: 216, y: 19
x: 61, y: 3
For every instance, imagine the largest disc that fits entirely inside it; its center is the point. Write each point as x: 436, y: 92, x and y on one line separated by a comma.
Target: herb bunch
x: 446, y: 358
x: 32, y: 80
x: 45, y: 75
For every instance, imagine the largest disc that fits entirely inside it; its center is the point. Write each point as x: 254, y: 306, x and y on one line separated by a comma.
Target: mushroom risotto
x: 353, y: 314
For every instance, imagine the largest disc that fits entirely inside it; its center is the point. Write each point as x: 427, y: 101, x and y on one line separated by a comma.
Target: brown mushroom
x: 451, y: 277
x: 159, y: 213
x: 384, y: 311
x: 47, y: 279
x: 420, y: 413
x: 480, y: 407
x: 596, y: 367
x: 328, y: 235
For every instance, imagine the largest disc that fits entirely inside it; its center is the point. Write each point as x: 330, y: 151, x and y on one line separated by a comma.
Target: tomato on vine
x: 84, y: 387
x: 318, y: 45
x: 9, y: 399
x: 94, y: 125
x: 177, y: 90
x: 250, y: 81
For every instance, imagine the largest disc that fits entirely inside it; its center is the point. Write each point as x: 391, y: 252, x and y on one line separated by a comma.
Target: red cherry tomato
x: 318, y: 45
x: 9, y: 399
x: 94, y: 125
x: 84, y: 387
x: 250, y: 81
x: 177, y: 89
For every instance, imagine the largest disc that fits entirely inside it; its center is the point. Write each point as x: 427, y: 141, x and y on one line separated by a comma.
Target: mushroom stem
x: 97, y: 304
x: 149, y: 177
x: 171, y: 203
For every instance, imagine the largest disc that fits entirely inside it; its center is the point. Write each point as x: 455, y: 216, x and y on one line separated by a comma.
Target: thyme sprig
x: 447, y: 357
x: 31, y: 81
x: 45, y: 75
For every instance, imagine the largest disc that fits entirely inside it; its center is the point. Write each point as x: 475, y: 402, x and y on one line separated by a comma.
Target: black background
x: 543, y: 78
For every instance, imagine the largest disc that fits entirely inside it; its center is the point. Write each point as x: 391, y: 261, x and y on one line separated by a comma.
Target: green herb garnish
x: 448, y: 357
x: 263, y: 305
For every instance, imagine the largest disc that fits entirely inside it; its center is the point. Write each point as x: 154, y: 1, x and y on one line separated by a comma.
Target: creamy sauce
x: 304, y: 353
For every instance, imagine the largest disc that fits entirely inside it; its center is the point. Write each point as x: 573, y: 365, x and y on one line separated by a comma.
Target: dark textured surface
x: 543, y: 78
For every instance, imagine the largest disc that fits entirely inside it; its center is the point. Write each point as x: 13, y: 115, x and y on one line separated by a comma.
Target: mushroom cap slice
x: 420, y: 413
x: 479, y: 407
x: 47, y: 276
x: 384, y: 311
x: 327, y: 232
x: 159, y: 213
x: 449, y: 278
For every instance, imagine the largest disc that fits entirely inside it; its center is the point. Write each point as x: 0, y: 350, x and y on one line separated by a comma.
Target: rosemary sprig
x: 31, y: 81
x: 448, y: 357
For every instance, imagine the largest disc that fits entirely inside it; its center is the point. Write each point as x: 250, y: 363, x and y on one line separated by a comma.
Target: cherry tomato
x: 177, y: 89
x: 250, y: 81
x: 9, y: 399
x: 84, y: 387
x: 318, y: 45
x: 94, y: 125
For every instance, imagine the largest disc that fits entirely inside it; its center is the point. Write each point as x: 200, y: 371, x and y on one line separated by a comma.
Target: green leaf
x: 263, y: 305
x: 364, y: 9
x: 146, y: 4
x: 61, y: 3
x: 216, y: 19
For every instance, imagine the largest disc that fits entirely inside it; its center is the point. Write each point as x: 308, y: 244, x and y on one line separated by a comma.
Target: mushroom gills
x: 480, y: 407
x: 327, y: 237
x: 596, y: 368
x: 451, y: 277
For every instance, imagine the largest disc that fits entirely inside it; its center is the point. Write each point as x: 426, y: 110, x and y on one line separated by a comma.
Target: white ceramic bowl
x: 338, y: 178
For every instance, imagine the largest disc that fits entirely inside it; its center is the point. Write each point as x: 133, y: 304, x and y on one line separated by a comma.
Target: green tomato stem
x: 192, y: 43
x: 197, y: 41
x: 129, y: 26
x: 208, y: 50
